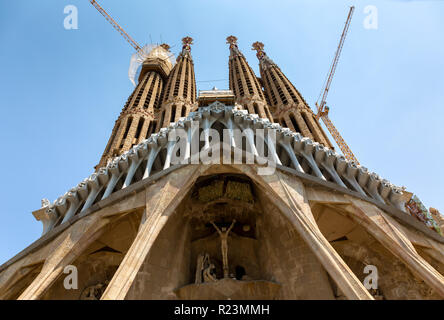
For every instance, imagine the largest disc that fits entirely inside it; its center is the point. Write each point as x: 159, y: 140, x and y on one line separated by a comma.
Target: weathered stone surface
x: 229, y: 289
x: 289, y: 241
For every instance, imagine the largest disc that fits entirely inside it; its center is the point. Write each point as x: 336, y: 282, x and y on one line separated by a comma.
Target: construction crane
x: 323, y: 109
x: 116, y: 26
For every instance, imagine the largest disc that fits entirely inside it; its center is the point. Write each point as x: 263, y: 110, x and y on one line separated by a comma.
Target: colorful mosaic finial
x: 232, y: 40
x: 259, y: 47
x: 187, y: 42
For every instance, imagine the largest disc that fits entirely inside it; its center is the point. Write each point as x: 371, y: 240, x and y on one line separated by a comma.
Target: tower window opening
x: 294, y: 89
x: 183, y: 112
x: 128, y: 126
x: 151, y: 128
x: 185, y: 84
x: 247, y: 78
x: 173, y: 113
x: 285, y: 82
x: 140, y: 90
x: 139, y: 128
x: 241, y: 89
x: 170, y: 81
x: 232, y: 83
x: 256, y: 109
x: 150, y: 92
x: 161, y: 120
x: 294, y: 123
x: 159, y: 90
x: 308, y: 123
x: 273, y: 97
x: 279, y: 89
x: 258, y: 86
x: 177, y: 84
x: 255, y: 82
x: 239, y: 80
x: 193, y: 83
x: 230, y: 66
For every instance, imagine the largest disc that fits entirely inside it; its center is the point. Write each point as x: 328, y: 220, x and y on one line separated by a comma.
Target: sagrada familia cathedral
x: 143, y: 226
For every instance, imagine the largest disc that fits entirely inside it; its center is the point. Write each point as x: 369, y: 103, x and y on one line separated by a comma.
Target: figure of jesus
x: 224, y: 244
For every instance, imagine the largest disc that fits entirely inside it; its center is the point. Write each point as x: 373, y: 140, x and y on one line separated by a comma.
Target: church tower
x: 311, y: 226
x: 137, y: 121
x: 287, y: 104
x: 244, y: 83
x: 180, y: 93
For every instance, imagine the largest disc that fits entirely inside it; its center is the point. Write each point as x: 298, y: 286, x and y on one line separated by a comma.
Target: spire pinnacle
x: 187, y: 42
x: 259, y: 47
x: 264, y: 60
x: 232, y: 40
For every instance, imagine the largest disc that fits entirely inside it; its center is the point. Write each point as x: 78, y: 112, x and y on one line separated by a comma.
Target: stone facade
x: 293, y: 239
x: 141, y: 227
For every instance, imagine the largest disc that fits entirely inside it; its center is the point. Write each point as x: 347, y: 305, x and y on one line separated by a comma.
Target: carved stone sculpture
x: 208, y: 274
x: 45, y: 203
x: 203, y: 260
x: 224, y: 244
x: 94, y: 292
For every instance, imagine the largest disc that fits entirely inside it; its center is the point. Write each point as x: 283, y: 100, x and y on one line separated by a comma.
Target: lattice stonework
x: 288, y: 106
x: 244, y: 83
x: 137, y: 121
x: 180, y: 94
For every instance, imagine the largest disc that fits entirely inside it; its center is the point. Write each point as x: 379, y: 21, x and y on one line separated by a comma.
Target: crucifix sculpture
x: 224, y: 244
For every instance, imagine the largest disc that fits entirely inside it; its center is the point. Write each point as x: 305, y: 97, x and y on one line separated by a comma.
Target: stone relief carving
x: 94, y: 292
x: 406, y: 286
x: 203, y: 260
x: 208, y: 274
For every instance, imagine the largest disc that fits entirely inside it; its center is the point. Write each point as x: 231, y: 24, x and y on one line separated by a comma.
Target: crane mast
x: 116, y: 26
x: 323, y: 109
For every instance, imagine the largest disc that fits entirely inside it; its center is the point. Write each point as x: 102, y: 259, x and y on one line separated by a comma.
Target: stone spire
x: 287, y: 104
x: 137, y: 119
x: 244, y: 83
x: 180, y: 91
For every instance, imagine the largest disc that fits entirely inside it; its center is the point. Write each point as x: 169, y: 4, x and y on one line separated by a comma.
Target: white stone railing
x: 300, y: 152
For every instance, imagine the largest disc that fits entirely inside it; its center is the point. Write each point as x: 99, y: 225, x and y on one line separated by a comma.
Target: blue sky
x: 61, y: 90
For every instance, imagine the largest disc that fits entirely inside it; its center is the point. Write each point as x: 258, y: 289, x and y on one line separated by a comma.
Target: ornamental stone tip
x: 259, y: 47
x: 187, y: 42
x: 165, y: 46
x: 232, y: 41
x: 45, y: 203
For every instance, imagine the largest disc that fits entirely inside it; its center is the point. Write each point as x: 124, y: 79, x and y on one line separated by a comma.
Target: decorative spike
x: 187, y: 42
x: 232, y: 41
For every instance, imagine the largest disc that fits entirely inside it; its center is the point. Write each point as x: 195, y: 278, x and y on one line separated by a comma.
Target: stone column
x: 387, y: 231
x: 162, y: 199
x: 288, y: 195
x: 71, y: 244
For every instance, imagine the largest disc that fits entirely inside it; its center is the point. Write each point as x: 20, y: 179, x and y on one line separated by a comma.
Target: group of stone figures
x: 94, y: 292
x: 205, y: 270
